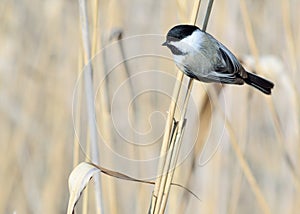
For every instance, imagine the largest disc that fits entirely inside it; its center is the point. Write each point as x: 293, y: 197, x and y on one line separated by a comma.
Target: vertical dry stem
x: 88, y: 85
x: 165, y: 143
x: 76, y: 118
x: 166, y: 164
x: 181, y: 123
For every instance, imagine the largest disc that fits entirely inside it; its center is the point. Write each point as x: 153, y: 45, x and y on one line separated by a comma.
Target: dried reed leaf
x: 128, y: 178
x: 78, y: 180
x: 82, y: 174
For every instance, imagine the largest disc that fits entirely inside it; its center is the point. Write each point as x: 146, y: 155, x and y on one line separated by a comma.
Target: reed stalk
x: 88, y: 86
x: 172, y: 145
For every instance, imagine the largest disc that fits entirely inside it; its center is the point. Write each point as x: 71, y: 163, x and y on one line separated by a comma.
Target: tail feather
x: 260, y: 83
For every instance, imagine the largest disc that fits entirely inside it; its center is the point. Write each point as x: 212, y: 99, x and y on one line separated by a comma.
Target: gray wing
x: 232, y: 64
x: 227, y: 69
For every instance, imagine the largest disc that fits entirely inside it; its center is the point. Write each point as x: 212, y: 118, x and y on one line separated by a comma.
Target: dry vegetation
x: 249, y: 163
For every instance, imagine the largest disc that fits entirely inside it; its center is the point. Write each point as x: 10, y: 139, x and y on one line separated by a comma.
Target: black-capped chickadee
x: 200, y: 56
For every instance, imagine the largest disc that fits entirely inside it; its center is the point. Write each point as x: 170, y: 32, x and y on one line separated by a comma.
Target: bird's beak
x: 164, y: 44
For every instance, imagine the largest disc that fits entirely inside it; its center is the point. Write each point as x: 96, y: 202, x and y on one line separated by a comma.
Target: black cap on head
x: 180, y: 31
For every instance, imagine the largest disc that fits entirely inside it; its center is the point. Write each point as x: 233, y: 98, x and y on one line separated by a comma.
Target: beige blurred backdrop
x: 40, y: 43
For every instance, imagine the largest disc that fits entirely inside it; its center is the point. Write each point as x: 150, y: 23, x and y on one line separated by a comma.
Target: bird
x: 202, y: 57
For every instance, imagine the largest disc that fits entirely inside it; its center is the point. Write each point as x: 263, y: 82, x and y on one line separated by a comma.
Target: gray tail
x: 260, y: 83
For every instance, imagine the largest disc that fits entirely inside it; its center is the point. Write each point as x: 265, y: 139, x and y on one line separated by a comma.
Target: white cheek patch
x: 190, y: 43
x: 182, y: 46
x: 194, y: 40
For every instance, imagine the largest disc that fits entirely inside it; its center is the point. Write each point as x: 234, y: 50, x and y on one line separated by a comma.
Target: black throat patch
x: 175, y: 50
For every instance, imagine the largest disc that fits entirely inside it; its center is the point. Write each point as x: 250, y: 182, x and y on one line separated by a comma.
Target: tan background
x: 40, y: 41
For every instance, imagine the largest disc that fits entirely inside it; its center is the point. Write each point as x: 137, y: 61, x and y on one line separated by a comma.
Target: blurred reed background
x: 40, y: 68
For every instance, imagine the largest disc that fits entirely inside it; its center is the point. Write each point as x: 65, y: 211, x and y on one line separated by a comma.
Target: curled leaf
x: 78, y: 180
x: 82, y: 174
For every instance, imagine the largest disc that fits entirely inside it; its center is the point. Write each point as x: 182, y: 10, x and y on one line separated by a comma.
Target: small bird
x: 200, y: 56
